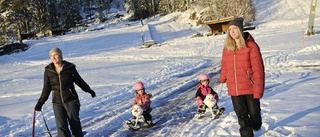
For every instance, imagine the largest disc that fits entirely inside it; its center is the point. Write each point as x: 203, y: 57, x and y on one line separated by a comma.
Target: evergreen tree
x: 37, y: 15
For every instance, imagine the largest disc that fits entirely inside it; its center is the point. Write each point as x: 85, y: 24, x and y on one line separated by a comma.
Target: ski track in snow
x: 169, y: 108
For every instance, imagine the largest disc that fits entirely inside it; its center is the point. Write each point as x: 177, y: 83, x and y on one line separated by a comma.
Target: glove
x: 38, y: 106
x: 93, y: 94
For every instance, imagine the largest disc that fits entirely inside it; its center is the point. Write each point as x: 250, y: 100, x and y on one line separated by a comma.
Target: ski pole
x: 34, y: 122
x: 46, y: 124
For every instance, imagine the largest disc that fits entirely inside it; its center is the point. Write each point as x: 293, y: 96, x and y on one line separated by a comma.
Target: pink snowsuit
x: 143, y: 100
x: 203, y: 91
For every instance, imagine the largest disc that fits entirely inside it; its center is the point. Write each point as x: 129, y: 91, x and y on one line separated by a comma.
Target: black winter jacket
x: 61, y: 85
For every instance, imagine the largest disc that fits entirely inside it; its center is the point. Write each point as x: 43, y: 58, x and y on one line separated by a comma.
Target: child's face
x: 204, y: 82
x: 140, y: 91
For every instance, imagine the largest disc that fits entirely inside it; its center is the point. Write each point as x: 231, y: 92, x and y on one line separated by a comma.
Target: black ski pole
x: 46, y: 124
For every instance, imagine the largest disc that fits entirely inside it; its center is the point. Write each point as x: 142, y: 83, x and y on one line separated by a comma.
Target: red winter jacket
x: 243, y: 70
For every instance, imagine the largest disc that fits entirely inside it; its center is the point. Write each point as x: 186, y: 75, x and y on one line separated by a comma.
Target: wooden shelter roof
x: 228, y: 19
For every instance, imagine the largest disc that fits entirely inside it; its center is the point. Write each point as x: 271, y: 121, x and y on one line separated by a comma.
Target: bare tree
x: 241, y: 8
x: 218, y: 9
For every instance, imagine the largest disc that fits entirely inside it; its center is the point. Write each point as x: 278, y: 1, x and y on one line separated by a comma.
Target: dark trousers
x: 67, y: 113
x: 146, y: 114
x: 248, y: 112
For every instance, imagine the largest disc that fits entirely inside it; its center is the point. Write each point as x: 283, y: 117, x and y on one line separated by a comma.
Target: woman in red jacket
x: 203, y: 89
x: 243, y: 70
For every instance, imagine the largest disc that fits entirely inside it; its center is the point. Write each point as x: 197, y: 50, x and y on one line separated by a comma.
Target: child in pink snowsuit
x: 143, y: 100
x: 203, y: 89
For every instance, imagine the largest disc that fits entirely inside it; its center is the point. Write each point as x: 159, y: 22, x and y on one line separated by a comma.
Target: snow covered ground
x: 110, y: 61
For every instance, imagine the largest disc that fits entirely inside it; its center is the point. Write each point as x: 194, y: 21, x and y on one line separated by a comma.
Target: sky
x: 111, y: 61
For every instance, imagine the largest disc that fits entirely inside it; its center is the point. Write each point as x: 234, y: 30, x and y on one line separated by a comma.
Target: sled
x: 131, y: 125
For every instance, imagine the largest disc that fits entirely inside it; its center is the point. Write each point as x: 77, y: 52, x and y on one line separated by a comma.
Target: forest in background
x: 19, y: 17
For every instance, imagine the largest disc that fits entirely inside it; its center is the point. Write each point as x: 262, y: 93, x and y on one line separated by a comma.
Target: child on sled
x: 203, y: 89
x: 143, y: 99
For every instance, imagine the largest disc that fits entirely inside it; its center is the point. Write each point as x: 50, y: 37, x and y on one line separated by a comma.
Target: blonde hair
x: 230, y: 43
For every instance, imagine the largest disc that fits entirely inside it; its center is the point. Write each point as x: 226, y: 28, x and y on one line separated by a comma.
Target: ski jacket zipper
x: 235, y: 72
x: 60, y: 88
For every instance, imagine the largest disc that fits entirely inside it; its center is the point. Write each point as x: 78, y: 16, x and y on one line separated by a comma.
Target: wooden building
x: 53, y: 32
x: 219, y: 26
x: 28, y: 36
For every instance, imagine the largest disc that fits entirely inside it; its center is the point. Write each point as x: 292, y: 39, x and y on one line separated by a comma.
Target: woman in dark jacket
x: 59, y: 77
x: 243, y: 70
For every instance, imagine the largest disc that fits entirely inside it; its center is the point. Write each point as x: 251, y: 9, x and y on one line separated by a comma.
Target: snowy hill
x: 110, y: 61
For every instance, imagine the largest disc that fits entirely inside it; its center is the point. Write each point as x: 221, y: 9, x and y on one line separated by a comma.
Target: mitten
x: 93, y: 94
x: 38, y: 106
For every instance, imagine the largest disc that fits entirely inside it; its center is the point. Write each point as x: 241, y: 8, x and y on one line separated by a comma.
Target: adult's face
x: 55, y: 58
x: 234, y: 32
